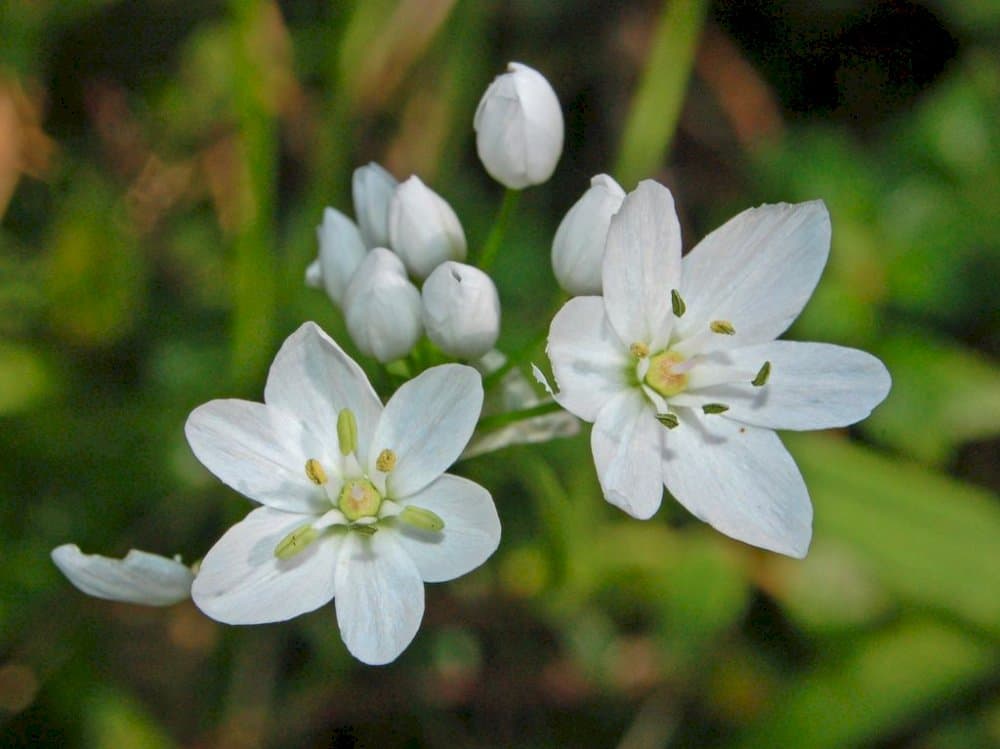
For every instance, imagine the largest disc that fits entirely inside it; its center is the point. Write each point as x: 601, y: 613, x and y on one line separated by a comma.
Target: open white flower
x: 140, y: 577
x: 356, y: 504
x: 677, y: 366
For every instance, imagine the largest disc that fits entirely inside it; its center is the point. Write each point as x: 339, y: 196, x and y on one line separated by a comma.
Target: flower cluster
x: 673, y: 359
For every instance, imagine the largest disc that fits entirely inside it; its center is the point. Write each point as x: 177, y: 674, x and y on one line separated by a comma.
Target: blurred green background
x: 163, y: 164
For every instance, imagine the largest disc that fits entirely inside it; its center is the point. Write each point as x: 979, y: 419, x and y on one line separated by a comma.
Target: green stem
x: 656, y: 106
x: 496, y: 421
x: 510, y: 198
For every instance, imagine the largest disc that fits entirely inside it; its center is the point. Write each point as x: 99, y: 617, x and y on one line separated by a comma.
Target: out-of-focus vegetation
x: 163, y: 164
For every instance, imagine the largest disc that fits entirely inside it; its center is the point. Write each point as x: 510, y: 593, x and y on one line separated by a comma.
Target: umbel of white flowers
x: 677, y: 367
x: 519, y: 128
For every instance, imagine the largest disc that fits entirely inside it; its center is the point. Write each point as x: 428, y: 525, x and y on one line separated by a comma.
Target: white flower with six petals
x: 678, y: 368
x: 355, y: 502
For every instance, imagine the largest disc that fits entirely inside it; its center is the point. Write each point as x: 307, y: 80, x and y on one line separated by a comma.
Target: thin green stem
x: 511, y: 417
x: 495, y: 238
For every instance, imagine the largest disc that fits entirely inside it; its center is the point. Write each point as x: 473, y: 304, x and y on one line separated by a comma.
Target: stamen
x: 762, y: 375
x: 296, y: 541
x: 668, y: 420
x: 677, y: 303
x: 715, y: 408
x: 639, y: 350
x: 347, y: 432
x: 365, y: 530
x: 722, y: 327
x: 421, y: 518
x: 386, y: 461
x: 315, y: 472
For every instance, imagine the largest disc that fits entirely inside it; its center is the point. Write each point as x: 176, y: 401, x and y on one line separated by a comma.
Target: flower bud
x: 341, y: 251
x: 461, y: 310
x: 519, y: 128
x: 423, y: 229
x: 372, y: 188
x: 382, y: 307
x: 578, y: 247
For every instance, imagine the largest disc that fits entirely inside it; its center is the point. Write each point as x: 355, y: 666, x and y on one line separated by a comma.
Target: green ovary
x: 662, y: 375
x: 359, y: 499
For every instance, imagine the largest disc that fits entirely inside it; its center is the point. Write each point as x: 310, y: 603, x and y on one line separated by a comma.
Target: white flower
x: 372, y: 188
x: 140, y: 577
x: 356, y: 504
x: 341, y: 251
x: 382, y: 307
x: 578, y: 247
x: 519, y: 128
x: 678, y: 368
x: 423, y: 229
x: 461, y: 310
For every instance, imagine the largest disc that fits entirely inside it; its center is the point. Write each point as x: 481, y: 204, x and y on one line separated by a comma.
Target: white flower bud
x: 382, y: 307
x: 372, y: 188
x: 578, y: 247
x: 461, y: 310
x: 423, y: 229
x: 341, y: 251
x: 519, y: 128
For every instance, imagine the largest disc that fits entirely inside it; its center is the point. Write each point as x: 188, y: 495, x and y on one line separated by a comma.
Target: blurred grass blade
x: 656, y: 105
x: 928, y: 538
x: 890, y: 677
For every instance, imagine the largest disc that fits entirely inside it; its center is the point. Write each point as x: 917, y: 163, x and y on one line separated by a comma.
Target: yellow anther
x: 315, y: 472
x: 386, y: 461
x: 722, y: 327
x: 295, y: 542
x: 347, y: 432
x: 639, y: 350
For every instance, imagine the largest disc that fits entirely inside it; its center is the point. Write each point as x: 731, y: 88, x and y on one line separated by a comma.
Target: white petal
x: 471, y: 529
x: 138, y: 578
x: 380, y: 597
x: 740, y: 480
x: 642, y: 261
x: 626, y: 442
x: 341, y: 251
x: 241, y: 581
x: 427, y: 423
x: 811, y: 386
x: 313, y: 379
x: 589, y: 361
x: 259, y: 451
x: 757, y: 271
x: 372, y: 188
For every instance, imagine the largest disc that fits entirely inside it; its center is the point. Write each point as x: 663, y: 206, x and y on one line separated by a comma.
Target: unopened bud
x: 423, y: 229
x: 461, y: 310
x: 578, y: 247
x: 382, y: 307
x: 372, y: 187
x: 341, y: 251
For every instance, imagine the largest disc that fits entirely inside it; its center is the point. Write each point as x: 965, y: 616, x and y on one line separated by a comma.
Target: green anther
x: 762, y: 375
x: 421, y: 518
x: 715, y: 408
x: 347, y: 431
x: 677, y: 303
x: 722, y: 327
x: 295, y: 542
x: 365, y: 530
x: 668, y: 420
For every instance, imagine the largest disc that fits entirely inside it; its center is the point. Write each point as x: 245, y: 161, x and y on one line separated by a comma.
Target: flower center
x: 359, y: 499
x: 665, y: 375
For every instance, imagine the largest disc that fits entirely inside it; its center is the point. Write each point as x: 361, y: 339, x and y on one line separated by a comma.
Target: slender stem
x: 501, y: 420
x: 518, y: 357
x: 510, y: 198
x: 656, y: 106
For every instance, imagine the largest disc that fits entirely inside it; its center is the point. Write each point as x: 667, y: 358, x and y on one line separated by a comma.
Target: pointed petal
x: 626, y: 442
x: 140, y: 577
x: 471, y: 529
x: 380, y: 597
x: 427, y: 423
x: 740, y: 480
x: 589, y: 361
x: 811, y: 386
x: 642, y: 262
x: 757, y: 271
x: 257, y: 450
x: 313, y: 379
x: 241, y: 581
